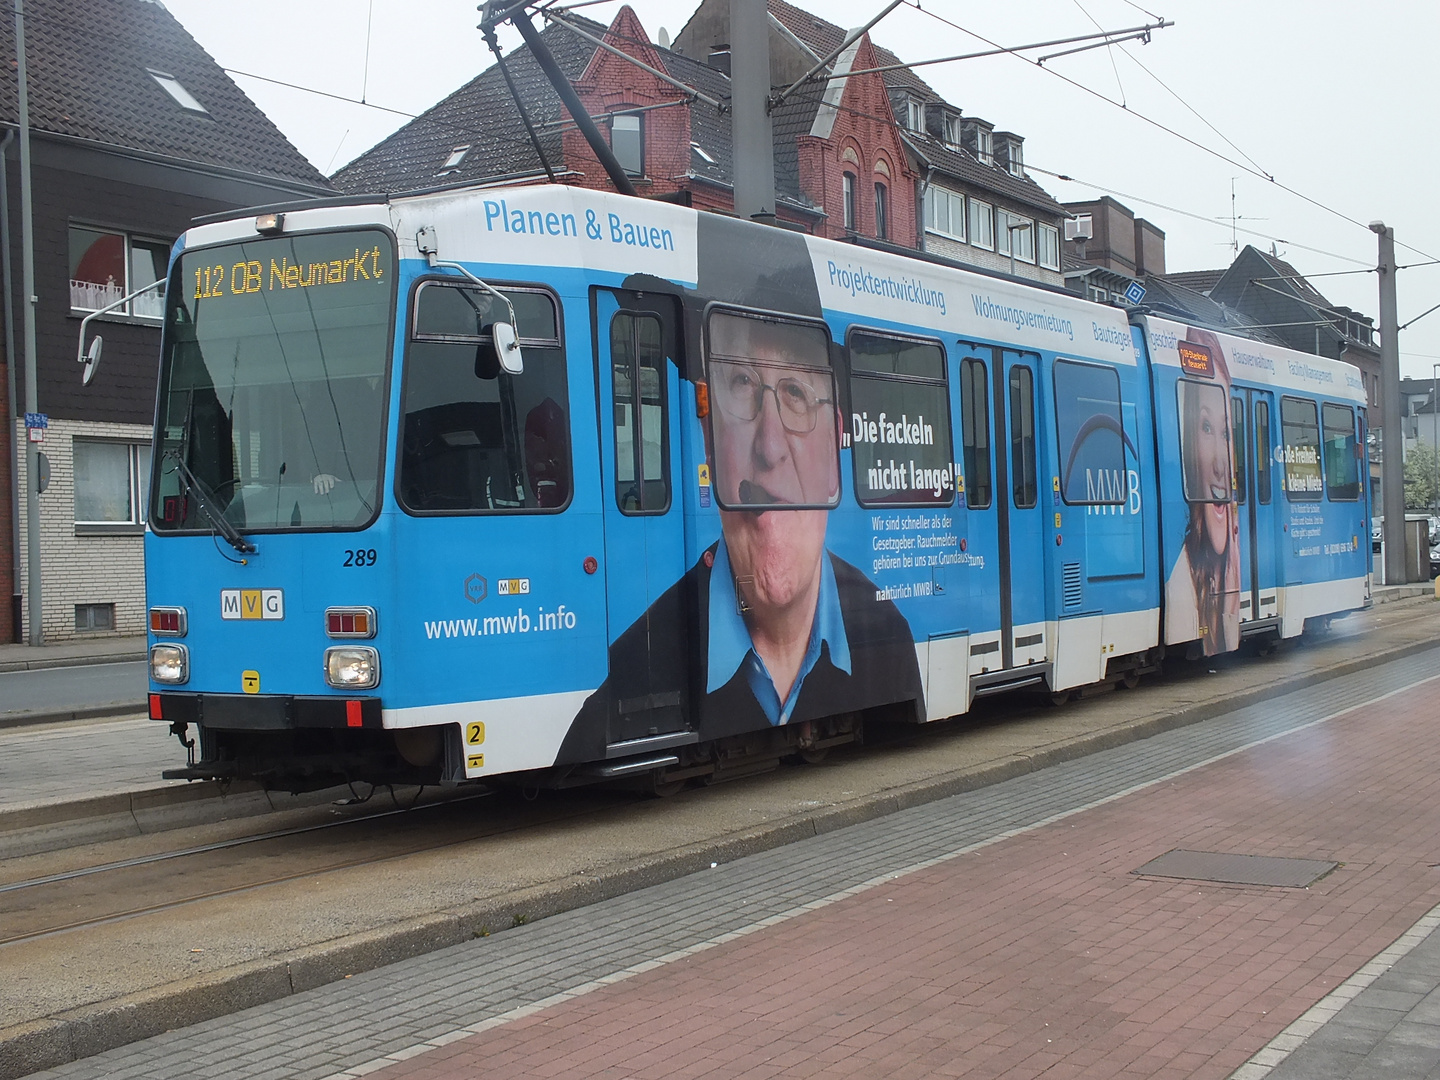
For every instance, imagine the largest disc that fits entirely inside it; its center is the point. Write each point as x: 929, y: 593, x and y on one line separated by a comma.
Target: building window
x: 183, y: 97
x: 882, y: 211
x: 945, y: 213
x: 847, y: 184
x: 627, y: 140
x: 914, y: 114
x: 453, y: 161
x: 107, y: 266
x: 1049, y: 247
x: 1017, y: 161
x: 984, y: 146
x: 982, y: 225
x: 112, y: 483
x: 1022, y: 230
x: 952, y: 129
x: 94, y: 616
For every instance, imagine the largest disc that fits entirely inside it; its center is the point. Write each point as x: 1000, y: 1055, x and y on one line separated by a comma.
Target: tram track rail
x: 202, y: 959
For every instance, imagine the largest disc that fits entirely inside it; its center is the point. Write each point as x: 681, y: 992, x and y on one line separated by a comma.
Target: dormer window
x: 1017, y: 162
x: 452, y: 163
x: 952, y: 129
x: 183, y: 97
x: 915, y: 115
x: 984, y: 147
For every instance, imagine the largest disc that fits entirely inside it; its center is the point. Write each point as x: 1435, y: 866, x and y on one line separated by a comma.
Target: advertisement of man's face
x: 775, y: 446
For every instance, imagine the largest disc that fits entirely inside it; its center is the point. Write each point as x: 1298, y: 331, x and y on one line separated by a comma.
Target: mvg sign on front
x: 252, y: 603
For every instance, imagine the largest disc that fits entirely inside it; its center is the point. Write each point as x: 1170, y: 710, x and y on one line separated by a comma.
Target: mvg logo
x: 514, y: 586
x: 252, y: 603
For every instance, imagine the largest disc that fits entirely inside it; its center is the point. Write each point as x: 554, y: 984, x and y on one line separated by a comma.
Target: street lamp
x: 1434, y: 430
x: 1012, y: 229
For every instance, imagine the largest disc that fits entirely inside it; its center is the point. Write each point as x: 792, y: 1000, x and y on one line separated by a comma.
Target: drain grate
x: 1237, y: 869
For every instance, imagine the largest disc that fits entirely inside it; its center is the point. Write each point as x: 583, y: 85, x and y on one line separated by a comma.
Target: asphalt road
x: 68, y: 689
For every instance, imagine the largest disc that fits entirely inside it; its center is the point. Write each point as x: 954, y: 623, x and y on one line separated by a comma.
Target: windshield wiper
x: 195, y: 487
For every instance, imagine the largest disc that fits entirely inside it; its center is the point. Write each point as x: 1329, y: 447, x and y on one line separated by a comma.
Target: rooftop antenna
x: 1235, y: 220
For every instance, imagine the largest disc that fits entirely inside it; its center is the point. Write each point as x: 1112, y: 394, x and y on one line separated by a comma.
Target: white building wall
x: 988, y: 260
x: 81, y: 569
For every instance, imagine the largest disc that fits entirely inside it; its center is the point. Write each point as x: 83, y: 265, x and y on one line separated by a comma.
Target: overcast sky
x: 1335, y: 100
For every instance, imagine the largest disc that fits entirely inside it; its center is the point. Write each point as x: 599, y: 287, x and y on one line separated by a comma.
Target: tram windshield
x: 272, y: 383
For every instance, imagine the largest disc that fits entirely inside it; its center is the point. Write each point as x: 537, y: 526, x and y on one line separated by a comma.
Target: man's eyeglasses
x: 740, y: 388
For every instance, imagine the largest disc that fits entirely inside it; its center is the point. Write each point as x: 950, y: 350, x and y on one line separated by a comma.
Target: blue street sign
x: 37, y: 420
x: 1135, y: 293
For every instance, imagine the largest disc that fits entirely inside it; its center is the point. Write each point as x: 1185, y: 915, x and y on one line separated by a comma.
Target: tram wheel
x: 666, y: 788
x: 1130, y: 680
x: 813, y: 756
x: 1060, y: 697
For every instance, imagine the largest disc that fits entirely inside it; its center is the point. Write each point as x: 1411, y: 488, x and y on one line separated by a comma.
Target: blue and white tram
x: 552, y: 484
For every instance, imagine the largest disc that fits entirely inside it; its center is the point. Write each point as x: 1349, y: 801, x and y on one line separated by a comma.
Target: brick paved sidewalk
x: 1044, y: 954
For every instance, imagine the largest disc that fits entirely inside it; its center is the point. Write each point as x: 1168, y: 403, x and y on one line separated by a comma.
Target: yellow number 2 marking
x: 475, y: 733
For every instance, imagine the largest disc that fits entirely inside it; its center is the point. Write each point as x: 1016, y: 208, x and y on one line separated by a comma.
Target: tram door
x: 1252, y: 442
x: 638, y: 387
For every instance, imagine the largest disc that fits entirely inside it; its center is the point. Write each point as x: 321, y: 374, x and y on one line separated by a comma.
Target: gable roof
x: 822, y: 38
x: 90, y: 70
x: 482, y: 115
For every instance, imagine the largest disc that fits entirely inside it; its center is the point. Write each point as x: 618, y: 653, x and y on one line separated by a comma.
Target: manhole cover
x: 1237, y: 869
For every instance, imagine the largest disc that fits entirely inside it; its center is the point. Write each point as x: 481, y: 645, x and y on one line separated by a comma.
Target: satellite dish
x: 92, y: 361
x: 664, y: 38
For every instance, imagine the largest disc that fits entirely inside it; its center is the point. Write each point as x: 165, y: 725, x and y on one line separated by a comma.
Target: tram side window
x: 1206, y: 466
x: 975, y: 433
x: 638, y: 362
x: 1023, y: 480
x: 900, y: 421
x: 1300, y: 433
x: 1090, y: 434
x: 473, y: 438
x: 1342, y: 466
x: 1263, y: 463
x: 1237, y: 418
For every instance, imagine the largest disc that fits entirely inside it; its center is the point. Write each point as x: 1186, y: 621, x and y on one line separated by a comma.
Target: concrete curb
x: 94, y: 1028
x: 46, y: 662
x: 89, y: 712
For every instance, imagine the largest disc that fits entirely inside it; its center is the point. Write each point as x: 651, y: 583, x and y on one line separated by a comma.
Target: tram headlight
x: 352, y: 667
x: 170, y: 664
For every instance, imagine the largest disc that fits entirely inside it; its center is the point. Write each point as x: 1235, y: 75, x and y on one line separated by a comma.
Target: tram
x: 545, y: 485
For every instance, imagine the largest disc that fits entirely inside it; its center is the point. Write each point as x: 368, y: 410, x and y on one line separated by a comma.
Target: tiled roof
x: 823, y: 38
x: 481, y: 115
x: 89, y: 67
x: 1201, y: 281
x: 961, y: 165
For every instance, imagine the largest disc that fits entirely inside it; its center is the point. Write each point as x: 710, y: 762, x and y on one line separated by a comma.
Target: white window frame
x: 915, y: 115
x: 452, y: 163
x: 985, y: 145
x: 985, y: 213
x: 1017, y: 158
x: 176, y: 89
x: 1003, y: 220
x: 1049, y: 241
x: 92, y: 296
x: 849, y: 201
x: 952, y: 129
x: 956, y: 204
x: 138, y: 481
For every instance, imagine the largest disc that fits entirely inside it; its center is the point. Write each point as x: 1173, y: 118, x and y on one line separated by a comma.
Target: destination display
x: 279, y: 264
